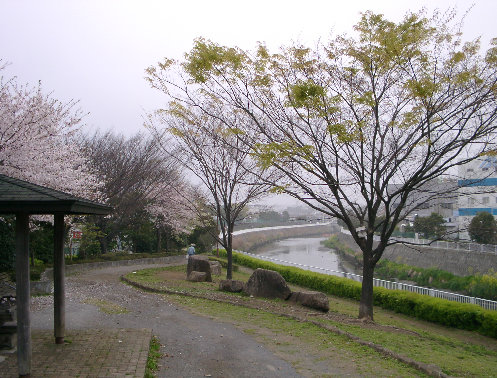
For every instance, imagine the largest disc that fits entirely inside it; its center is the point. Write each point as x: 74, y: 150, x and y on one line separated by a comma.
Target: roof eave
x: 50, y: 207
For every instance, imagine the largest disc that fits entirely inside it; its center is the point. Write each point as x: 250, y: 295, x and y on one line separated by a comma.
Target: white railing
x: 485, y: 303
x: 458, y: 246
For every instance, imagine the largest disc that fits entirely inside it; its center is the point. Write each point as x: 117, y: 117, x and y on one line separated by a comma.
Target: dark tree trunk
x: 366, y: 303
x: 159, y: 240
x: 229, y: 269
x: 229, y: 253
x: 167, y: 235
x: 103, y: 244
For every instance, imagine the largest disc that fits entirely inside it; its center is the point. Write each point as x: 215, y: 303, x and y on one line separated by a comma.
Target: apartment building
x: 477, y: 191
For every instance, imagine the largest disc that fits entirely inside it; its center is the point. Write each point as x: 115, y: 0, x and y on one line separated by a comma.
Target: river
x: 307, y: 251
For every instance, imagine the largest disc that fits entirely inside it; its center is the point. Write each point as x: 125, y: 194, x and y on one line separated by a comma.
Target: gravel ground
x: 193, y: 346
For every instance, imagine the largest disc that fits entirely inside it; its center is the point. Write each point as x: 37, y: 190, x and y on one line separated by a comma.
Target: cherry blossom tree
x: 140, y: 181
x: 218, y: 158
x: 172, y: 208
x: 38, y: 140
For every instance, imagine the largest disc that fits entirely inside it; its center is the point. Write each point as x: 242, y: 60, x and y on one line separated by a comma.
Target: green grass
x: 456, y: 352
x: 455, y: 357
x: 147, y: 275
x: 153, y: 358
x: 293, y: 338
x: 106, y: 306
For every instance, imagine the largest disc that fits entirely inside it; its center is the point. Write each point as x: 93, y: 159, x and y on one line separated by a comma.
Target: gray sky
x: 97, y: 51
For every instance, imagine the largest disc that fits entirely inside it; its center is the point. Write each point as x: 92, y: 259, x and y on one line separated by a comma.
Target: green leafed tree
x: 431, y: 227
x: 90, y: 245
x: 483, y: 228
x: 355, y: 125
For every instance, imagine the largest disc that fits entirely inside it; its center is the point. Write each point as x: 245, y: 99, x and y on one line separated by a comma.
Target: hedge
x: 452, y: 314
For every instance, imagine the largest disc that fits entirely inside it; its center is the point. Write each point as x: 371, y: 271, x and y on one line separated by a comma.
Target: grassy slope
x: 457, y: 352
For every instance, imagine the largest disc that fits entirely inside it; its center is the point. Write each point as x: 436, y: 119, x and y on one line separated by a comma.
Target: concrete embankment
x: 458, y: 262
x: 249, y: 240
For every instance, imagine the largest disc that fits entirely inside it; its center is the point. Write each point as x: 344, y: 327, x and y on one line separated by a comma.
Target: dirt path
x: 194, y: 346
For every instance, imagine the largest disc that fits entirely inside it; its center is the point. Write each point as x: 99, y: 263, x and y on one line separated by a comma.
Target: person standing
x: 191, y: 250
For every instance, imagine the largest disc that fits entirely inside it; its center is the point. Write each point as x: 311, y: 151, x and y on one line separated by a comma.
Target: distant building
x: 477, y: 191
x: 437, y: 196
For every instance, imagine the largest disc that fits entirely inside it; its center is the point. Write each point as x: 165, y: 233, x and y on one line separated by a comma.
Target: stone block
x: 311, y: 299
x: 215, y: 268
x: 232, y: 286
x: 199, y: 263
x: 195, y: 276
x: 267, y: 284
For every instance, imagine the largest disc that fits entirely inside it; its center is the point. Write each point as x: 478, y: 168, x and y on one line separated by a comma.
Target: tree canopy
x: 37, y: 140
x: 141, y: 183
x: 431, y: 226
x: 483, y: 228
x: 397, y: 103
x: 218, y: 156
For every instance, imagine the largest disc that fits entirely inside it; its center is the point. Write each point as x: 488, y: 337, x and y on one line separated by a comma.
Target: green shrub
x: 481, y: 286
x: 34, y: 271
x: 452, y: 314
x: 484, y: 286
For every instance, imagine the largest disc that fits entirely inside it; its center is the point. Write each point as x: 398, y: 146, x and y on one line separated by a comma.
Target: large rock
x: 215, y: 268
x: 195, y: 276
x: 233, y: 286
x: 312, y: 299
x: 199, y: 264
x: 267, y: 284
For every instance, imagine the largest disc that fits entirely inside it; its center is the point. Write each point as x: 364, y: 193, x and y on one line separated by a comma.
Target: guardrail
x: 485, y: 303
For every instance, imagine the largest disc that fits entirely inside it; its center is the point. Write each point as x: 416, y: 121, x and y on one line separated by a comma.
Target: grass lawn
x: 314, y: 350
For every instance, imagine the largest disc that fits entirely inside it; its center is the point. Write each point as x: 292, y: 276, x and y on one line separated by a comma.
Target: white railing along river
x: 485, y: 303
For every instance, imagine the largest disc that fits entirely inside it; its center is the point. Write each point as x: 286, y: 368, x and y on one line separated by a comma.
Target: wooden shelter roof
x: 18, y: 196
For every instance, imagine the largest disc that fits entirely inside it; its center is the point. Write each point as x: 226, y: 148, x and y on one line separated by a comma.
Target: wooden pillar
x: 59, y: 280
x: 23, y: 295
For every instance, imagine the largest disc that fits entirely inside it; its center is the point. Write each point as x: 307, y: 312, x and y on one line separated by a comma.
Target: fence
x: 485, y: 303
x: 461, y: 246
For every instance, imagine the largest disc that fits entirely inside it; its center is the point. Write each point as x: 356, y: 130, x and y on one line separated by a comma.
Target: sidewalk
x: 87, y: 353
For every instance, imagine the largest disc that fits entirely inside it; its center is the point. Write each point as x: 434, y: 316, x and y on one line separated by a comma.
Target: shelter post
x: 23, y: 295
x: 59, y: 279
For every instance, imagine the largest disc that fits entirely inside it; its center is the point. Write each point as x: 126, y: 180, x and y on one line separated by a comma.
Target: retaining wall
x: 250, y: 240
x: 458, y: 262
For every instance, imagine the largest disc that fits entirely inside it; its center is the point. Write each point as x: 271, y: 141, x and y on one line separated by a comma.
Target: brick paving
x: 86, y: 353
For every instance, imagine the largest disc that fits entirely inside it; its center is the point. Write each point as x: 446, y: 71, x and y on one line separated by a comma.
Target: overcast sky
x: 97, y: 51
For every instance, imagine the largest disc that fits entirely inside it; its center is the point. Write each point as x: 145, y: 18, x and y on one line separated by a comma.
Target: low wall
x: 458, y: 262
x: 107, y: 264
x: 47, y: 276
x: 251, y: 240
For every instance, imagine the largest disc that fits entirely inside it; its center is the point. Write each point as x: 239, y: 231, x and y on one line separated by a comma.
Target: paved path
x: 194, y: 346
x: 89, y: 353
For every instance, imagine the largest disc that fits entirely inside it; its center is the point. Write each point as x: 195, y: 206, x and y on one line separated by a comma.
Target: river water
x: 307, y: 251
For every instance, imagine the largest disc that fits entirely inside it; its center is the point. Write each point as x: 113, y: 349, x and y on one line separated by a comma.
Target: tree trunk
x: 168, y: 235
x: 366, y: 303
x: 159, y: 240
x: 103, y: 244
x: 229, y: 270
x: 229, y: 253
